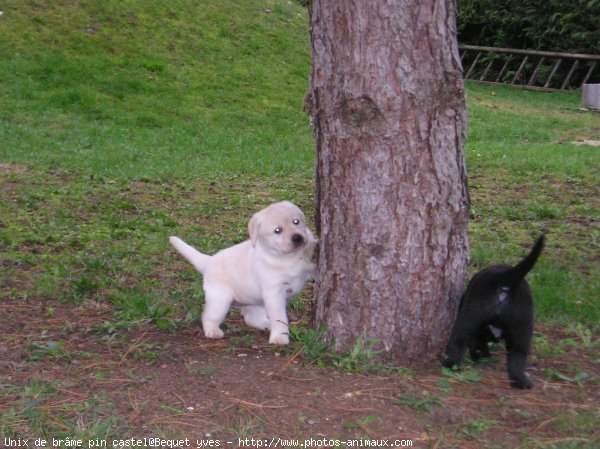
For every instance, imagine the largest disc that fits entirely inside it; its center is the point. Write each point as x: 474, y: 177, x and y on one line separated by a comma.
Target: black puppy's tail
x: 516, y: 274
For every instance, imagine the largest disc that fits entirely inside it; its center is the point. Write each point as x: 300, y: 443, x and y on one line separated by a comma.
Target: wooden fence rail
x: 528, y: 69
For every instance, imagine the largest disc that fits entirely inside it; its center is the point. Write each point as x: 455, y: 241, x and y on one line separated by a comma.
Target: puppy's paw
x: 479, y: 353
x: 279, y: 339
x: 523, y: 383
x: 213, y: 332
x: 450, y: 363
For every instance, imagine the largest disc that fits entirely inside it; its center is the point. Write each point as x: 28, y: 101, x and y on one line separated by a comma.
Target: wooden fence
x: 528, y: 69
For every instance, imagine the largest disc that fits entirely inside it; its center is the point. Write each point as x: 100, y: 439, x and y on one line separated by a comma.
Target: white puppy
x: 260, y: 274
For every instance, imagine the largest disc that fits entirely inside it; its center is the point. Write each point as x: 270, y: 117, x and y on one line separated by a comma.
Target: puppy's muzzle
x: 297, y: 240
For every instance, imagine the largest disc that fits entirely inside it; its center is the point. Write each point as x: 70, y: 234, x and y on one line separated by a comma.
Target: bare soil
x: 180, y: 384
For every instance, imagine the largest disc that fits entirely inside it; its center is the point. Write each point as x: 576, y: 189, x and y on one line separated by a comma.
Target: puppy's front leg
x: 275, y: 303
x: 462, y: 333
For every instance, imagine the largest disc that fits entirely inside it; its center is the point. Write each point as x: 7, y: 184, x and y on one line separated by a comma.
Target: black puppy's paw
x: 479, y: 353
x: 450, y: 363
x: 523, y: 383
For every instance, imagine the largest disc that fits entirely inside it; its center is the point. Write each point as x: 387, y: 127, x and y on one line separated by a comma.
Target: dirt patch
x: 10, y: 168
x: 180, y: 384
x: 591, y: 143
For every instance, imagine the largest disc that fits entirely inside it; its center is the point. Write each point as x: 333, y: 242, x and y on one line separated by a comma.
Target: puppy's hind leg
x: 517, y: 350
x: 215, y: 310
x: 256, y: 316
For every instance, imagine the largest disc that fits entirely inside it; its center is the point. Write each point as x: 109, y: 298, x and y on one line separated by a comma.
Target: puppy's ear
x: 303, y: 217
x: 299, y: 212
x: 254, y: 227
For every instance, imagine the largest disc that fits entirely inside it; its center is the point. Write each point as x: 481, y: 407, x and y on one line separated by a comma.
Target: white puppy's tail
x: 195, y: 257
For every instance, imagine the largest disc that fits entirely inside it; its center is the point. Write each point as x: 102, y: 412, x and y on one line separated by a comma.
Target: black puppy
x: 498, y: 297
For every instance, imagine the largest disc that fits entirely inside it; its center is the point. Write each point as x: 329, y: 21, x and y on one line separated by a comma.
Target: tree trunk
x: 389, y: 117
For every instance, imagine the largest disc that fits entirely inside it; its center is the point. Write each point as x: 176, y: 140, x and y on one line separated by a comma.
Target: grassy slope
x: 528, y: 176
x: 155, y: 89
x: 107, y: 94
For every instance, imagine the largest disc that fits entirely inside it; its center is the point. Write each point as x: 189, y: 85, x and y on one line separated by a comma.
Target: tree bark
x: 387, y: 102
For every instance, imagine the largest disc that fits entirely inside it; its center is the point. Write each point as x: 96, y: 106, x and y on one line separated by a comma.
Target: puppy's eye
x: 278, y: 230
x: 296, y: 221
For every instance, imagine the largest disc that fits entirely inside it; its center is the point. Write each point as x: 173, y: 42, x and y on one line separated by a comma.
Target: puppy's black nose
x: 297, y: 239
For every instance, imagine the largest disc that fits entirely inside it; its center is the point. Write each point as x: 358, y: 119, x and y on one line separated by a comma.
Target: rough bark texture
x: 389, y: 117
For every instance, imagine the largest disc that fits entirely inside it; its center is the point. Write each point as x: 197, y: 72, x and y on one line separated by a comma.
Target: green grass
x: 155, y: 89
x: 135, y: 120
x: 529, y: 133
x: 47, y: 413
x: 528, y: 175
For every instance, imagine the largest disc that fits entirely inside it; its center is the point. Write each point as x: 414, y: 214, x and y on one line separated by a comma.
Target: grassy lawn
x: 156, y: 89
x: 124, y: 122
